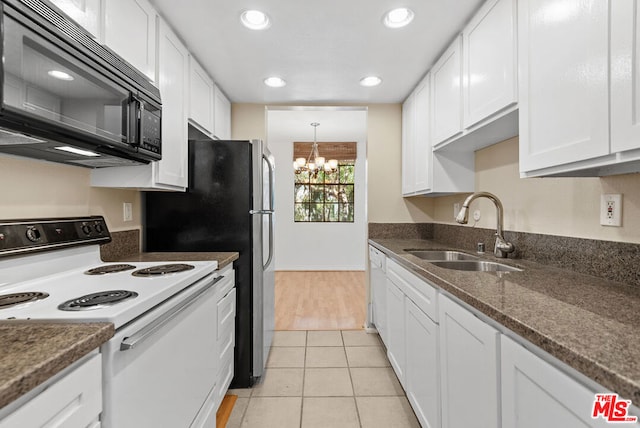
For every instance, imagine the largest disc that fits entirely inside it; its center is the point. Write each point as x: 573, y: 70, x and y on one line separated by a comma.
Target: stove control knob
x: 99, y: 228
x: 33, y: 234
x: 86, y: 229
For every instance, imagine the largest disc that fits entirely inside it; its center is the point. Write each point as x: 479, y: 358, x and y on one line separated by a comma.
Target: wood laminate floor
x: 320, y: 300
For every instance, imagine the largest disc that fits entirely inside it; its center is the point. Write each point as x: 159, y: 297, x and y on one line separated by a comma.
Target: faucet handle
x: 503, y: 247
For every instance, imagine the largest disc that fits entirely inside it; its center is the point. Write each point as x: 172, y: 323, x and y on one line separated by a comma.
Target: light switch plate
x: 611, y: 210
x: 127, y: 211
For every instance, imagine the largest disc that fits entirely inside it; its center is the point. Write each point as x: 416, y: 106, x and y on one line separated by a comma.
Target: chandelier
x: 314, y: 162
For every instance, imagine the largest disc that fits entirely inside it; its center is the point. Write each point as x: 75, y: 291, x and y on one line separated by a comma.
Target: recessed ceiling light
x: 254, y: 19
x: 397, y: 18
x: 60, y: 75
x: 275, y: 82
x: 370, y: 81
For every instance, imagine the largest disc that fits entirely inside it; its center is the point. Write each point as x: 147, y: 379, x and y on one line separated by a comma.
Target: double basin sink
x: 460, y: 261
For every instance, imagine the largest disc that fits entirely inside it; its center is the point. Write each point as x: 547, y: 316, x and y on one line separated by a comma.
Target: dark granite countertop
x: 223, y: 258
x: 591, y: 324
x: 33, y: 351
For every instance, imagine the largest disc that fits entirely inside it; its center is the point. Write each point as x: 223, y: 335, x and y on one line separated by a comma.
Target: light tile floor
x: 324, y: 379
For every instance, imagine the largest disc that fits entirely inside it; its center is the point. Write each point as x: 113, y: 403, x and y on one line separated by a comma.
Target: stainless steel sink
x: 440, y: 255
x: 475, y: 265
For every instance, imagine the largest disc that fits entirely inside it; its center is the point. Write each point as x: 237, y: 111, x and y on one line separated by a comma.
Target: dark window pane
x: 301, y: 212
x: 346, y: 213
x: 331, y: 177
x: 331, y: 212
x: 301, y: 193
x: 346, y: 193
x: 316, y: 212
x: 317, y: 193
x: 346, y: 173
x: 331, y: 193
x: 317, y: 178
x: 302, y: 177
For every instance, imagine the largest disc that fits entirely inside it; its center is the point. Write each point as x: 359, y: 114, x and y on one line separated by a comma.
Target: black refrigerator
x: 228, y: 206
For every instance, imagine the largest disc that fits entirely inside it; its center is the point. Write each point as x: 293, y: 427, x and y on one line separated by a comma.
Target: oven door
x: 160, y: 369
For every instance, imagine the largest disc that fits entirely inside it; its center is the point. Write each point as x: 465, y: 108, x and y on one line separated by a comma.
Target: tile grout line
x: 304, y: 374
x: 355, y: 402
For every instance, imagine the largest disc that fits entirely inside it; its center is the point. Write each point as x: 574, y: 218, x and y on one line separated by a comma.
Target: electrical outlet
x: 127, y: 211
x: 611, y: 210
x: 456, y: 209
x: 476, y: 215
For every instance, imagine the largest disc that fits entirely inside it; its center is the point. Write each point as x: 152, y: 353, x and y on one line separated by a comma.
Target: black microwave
x: 66, y: 98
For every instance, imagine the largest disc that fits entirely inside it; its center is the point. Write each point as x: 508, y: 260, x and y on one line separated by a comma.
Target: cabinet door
x: 74, y: 401
x: 536, y: 394
x: 422, y: 154
x: 201, y: 94
x: 377, y: 280
x: 396, y: 329
x: 489, y: 65
x: 625, y: 75
x: 446, y: 82
x: 469, y: 368
x: 222, y: 112
x: 563, y: 82
x: 408, y: 138
x: 173, y: 60
x: 86, y: 13
x: 130, y: 30
x: 422, y: 380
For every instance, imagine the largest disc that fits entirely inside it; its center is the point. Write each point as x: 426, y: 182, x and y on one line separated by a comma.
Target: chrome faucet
x: 502, y: 247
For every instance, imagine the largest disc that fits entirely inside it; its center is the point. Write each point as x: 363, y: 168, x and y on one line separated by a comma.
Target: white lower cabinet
x: 396, y: 329
x: 377, y: 280
x: 412, y: 344
x: 468, y: 368
x: 537, y: 394
x: 422, y: 375
x: 74, y: 401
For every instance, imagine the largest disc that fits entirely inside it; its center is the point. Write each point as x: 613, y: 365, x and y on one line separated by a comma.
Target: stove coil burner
x: 162, y: 269
x: 97, y: 300
x: 103, y: 270
x: 8, y: 300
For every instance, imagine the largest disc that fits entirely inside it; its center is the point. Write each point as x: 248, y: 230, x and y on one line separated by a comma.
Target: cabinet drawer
x: 226, y: 313
x: 377, y: 258
x: 415, y: 288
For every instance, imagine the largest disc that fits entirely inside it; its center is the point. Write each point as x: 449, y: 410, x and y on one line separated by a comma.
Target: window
x: 325, y: 196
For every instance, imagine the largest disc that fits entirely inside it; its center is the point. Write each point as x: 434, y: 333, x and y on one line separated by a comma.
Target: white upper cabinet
x: 425, y: 172
x: 173, y: 73
x: 446, y: 82
x: 201, y: 96
x: 625, y: 75
x: 490, y: 61
x: 86, y: 13
x: 563, y: 89
x: 170, y: 173
x: 130, y: 30
x: 416, y: 145
x: 222, y: 109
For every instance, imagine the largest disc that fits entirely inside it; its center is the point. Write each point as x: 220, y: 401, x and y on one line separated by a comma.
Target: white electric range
x: 164, y: 313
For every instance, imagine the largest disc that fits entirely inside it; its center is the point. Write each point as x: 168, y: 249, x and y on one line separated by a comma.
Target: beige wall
x: 38, y: 189
x: 384, y: 122
x: 555, y: 206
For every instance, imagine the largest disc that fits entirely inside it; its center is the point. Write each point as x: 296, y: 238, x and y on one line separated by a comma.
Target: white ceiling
x: 321, y: 48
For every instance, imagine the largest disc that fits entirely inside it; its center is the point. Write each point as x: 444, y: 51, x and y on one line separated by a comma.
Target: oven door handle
x: 143, y: 334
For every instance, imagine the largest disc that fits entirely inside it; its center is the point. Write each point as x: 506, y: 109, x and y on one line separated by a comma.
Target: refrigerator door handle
x: 266, y: 212
x: 271, y: 206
